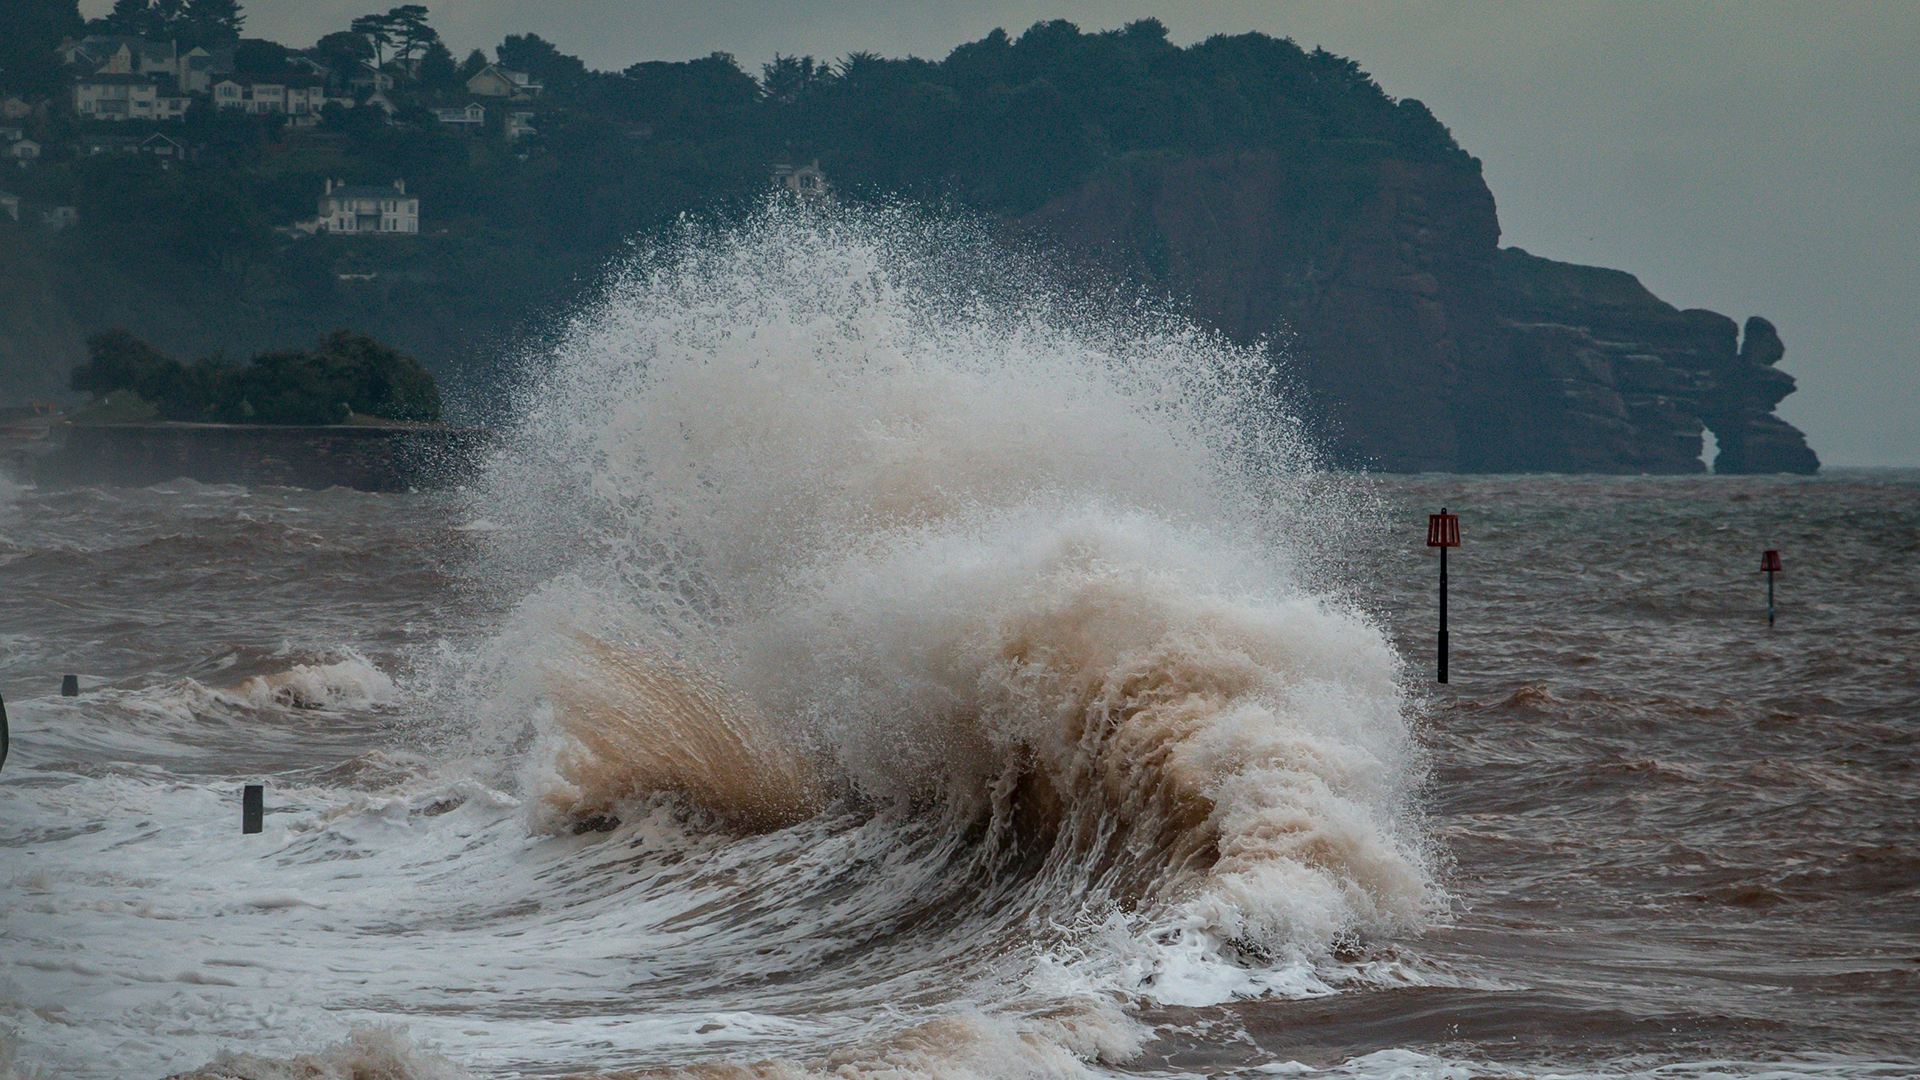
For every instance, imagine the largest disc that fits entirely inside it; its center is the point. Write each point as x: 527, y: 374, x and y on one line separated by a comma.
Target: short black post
x: 1443, y: 532
x: 70, y: 686
x: 1770, y: 562
x: 3, y: 732
x: 253, y: 808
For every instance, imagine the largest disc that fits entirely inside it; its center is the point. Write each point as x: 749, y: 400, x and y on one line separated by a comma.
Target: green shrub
x: 346, y: 374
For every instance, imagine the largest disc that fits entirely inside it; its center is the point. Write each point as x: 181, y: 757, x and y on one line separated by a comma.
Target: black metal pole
x: 3, y: 732
x: 1443, y: 614
x: 252, y: 808
x: 1769, y: 598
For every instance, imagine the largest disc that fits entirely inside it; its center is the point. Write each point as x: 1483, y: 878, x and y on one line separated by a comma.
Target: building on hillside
x: 60, y: 217
x: 117, y: 54
x: 127, y: 96
x: 298, y: 96
x: 379, y: 100
x: 471, y: 116
x: 807, y: 181
x: 15, y: 107
x: 10, y: 205
x: 106, y: 145
x: 301, y: 64
x: 357, y: 210
x: 199, y: 68
x: 22, y: 152
x: 518, y: 125
x: 193, y: 71
x: 163, y: 149
x: 366, y: 77
x: 497, y: 82
x: 122, y: 54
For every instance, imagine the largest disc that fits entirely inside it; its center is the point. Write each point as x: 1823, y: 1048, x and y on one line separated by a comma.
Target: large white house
x: 126, y: 96
x: 368, y: 208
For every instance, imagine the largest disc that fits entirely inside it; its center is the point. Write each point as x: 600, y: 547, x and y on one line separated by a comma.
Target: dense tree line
x: 345, y: 376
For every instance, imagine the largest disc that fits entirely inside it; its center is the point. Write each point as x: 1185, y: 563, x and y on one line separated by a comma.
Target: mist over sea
x: 862, y: 658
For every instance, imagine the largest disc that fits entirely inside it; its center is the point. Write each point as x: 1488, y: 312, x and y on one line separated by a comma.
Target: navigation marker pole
x: 1443, y: 532
x: 1770, y: 562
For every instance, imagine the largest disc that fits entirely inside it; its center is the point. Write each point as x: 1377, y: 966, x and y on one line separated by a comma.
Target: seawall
x: 363, y: 458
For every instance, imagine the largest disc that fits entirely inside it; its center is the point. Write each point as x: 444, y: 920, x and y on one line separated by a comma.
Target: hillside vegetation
x: 514, y: 231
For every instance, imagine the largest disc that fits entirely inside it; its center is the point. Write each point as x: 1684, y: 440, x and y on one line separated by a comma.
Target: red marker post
x: 1443, y: 532
x: 1769, y: 565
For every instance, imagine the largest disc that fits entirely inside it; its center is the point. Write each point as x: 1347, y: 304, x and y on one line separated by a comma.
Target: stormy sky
x: 1749, y: 157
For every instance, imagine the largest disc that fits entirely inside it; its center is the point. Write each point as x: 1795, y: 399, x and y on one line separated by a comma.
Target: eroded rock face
x: 1418, y: 344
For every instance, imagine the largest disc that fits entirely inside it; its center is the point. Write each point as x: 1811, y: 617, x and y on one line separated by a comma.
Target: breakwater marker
x: 1443, y: 532
x: 69, y: 686
x: 3, y: 731
x: 1770, y: 564
x: 253, y: 808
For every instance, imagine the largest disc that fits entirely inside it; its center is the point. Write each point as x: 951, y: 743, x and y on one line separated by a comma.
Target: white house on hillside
x: 496, y: 81
x: 299, y: 96
x: 362, y: 209
x: 471, y: 115
x: 807, y: 181
x: 126, y: 96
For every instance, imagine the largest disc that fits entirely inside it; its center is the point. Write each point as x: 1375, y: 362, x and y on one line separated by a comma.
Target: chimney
x: 400, y: 186
x: 329, y: 185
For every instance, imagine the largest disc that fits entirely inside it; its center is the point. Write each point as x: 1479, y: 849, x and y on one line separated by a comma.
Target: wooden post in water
x: 1443, y: 532
x: 70, y: 686
x: 253, y: 808
x: 3, y: 732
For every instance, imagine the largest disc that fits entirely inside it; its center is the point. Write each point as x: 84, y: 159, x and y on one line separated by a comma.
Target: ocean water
x: 860, y: 659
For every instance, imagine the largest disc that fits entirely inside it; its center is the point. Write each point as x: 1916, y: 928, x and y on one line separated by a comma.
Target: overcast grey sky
x: 1751, y: 157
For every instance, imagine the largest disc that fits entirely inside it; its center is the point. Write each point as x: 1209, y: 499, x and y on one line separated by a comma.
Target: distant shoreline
x: 391, y: 456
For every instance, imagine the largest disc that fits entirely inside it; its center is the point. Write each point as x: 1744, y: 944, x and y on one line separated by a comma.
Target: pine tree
x: 210, y: 22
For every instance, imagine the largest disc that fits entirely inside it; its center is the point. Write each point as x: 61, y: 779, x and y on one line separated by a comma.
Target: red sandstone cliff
x: 1416, y: 342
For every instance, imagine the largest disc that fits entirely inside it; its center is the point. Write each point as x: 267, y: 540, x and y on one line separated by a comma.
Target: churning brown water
x: 832, y: 676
